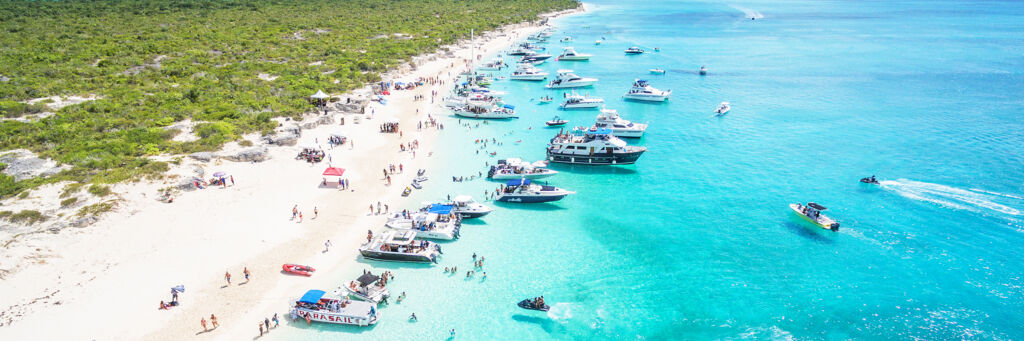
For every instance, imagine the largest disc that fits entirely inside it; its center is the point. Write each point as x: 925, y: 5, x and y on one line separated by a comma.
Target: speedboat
x: 657, y: 71
x: 313, y: 306
x: 514, y: 168
x: 530, y: 304
x: 592, y: 147
x: 568, y: 79
x: 634, y: 50
x: 534, y: 58
x: 466, y: 207
x: 566, y: 39
x: 434, y: 222
x: 416, y: 184
x: 597, y: 42
x: 367, y: 287
x: 722, y: 109
x: 643, y: 91
x: 400, y: 246
x: 703, y: 70
x: 495, y: 112
x: 545, y: 99
x: 527, y: 72
x: 556, y: 122
x: 869, y: 180
x: 301, y: 270
x: 525, y: 191
x: 609, y: 119
x: 570, y: 54
x: 576, y: 101
x: 494, y: 65
x: 812, y: 213
x: 519, y: 51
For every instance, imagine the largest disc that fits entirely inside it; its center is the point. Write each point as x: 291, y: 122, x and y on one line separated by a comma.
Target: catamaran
x: 313, y: 306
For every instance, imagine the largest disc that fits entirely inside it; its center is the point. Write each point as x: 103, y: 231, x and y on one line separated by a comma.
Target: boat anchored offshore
x: 556, y: 122
x: 313, y: 306
x: 367, y: 287
x: 609, y: 119
x: 722, y: 109
x: 657, y: 71
x: 527, y: 72
x: 534, y: 58
x: 634, y: 50
x: 494, y: 65
x: 525, y: 191
x: 436, y: 222
x: 513, y: 168
x: 812, y: 213
x: 465, y: 206
x: 577, y: 101
x: 568, y: 79
x: 592, y: 147
x: 570, y: 54
x: 494, y: 112
x: 400, y: 246
x: 643, y: 91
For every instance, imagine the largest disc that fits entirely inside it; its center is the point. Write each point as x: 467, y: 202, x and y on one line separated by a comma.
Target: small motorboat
x: 597, y: 42
x: 634, y: 50
x: 703, y: 70
x: 545, y: 99
x: 557, y: 121
x: 295, y: 269
x: 722, y: 109
x: 420, y: 179
x: 529, y: 304
x: 406, y: 192
x: 812, y: 213
x: 869, y: 180
x: 416, y: 184
x: 657, y: 71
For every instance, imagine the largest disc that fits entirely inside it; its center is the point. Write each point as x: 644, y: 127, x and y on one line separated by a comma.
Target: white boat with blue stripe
x: 525, y: 191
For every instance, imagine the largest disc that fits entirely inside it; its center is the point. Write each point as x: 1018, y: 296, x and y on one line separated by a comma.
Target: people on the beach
x: 245, y: 271
x: 213, y: 320
x: 203, y: 322
x: 227, y: 277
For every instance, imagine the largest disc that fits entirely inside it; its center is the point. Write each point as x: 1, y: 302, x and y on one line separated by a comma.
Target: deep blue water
x: 696, y: 240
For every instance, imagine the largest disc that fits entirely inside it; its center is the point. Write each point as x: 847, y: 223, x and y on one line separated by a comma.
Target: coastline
x: 110, y: 277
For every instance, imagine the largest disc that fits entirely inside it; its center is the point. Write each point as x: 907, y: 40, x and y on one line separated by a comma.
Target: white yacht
x: 577, y: 101
x: 466, y: 207
x: 494, y: 65
x: 436, y: 222
x: 634, y: 50
x: 527, y: 72
x: 367, y: 287
x: 609, y: 119
x: 520, y: 51
x: 570, y: 54
x: 513, y: 168
x: 568, y: 79
x: 525, y: 191
x: 722, y: 109
x: 592, y: 147
x: 400, y: 246
x: 643, y: 91
x: 494, y: 112
x: 535, y: 58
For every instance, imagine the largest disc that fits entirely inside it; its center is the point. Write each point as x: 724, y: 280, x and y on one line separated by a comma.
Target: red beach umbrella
x: 334, y: 171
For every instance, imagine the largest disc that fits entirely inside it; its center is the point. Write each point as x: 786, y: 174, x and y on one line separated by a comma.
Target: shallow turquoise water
x: 695, y: 241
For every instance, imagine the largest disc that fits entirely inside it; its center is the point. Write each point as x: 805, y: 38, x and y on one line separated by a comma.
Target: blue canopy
x: 312, y: 296
x: 440, y: 209
x: 509, y: 106
x: 520, y: 182
x: 603, y: 131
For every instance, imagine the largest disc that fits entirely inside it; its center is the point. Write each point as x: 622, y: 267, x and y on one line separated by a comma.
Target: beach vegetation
x: 97, y: 208
x: 201, y: 60
x: 99, y: 190
x: 27, y: 217
x: 68, y: 201
x: 71, y: 188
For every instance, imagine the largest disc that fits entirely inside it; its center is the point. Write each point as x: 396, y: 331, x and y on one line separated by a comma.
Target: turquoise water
x: 696, y: 241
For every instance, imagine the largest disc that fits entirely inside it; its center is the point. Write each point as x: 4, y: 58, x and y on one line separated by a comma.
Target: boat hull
x: 531, y: 199
x: 596, y: 159
x: 487, y: 116
x: 796, y: 210
x: 328, y: 317
x: 397, y: 257
x: 628, y: 133
x: 528, y: 77
x: 650, y: 98
x: 532, y: 176
x: 574, y: 59
x: 472, y: 214
x: 571, y: 85
x: 582, y: 105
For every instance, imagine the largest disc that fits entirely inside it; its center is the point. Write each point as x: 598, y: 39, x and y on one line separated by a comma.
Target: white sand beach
x: 105, y: 282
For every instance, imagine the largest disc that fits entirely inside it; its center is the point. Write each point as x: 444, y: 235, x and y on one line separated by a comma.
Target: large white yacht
x: 525, y: 191
x: 570, y: 54
x: 568, y: 79
x: 592, y: 147
x: 577, y: 101
x: 643, y: 91
x: 609, y: 119
x: 514, y: 168
x: 527, y: 72
x: 495, y: 111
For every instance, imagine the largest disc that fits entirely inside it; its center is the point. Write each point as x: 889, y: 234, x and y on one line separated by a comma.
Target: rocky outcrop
x: 252, y: 154
x: 23, y: 164
x: 202, y: 156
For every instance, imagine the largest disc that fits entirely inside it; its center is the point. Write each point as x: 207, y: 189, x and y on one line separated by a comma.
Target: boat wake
x: 748, y: 13
x: 560, y: 311
x: 974, y: 200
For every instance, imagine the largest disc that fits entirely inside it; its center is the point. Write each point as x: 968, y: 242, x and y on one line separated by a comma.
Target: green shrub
x: 99, y: 190
x: 68, y: 202
x: 70, y: 189
x: 245, y: 143
x: 97, y: 208
x: 28, y: 217
x: 23, y: 194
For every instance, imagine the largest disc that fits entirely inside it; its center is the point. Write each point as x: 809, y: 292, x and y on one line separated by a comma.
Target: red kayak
x: 298, y: 269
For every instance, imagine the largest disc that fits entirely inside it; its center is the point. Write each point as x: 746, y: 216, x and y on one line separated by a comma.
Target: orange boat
x: 298, y: 269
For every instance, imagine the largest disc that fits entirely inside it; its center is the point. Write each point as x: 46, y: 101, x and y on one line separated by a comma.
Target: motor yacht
x: 525, y: 191
x: 592, y: 147
x: 577, y: 101
x: 494, y: 65
x: 400, y: 246
x: 634, y: 50
x: 494, y: 112
x: 556, y: 122
x: 643, y: 91
x: 568, y: 79
x: 570, y: 54
x: 435, y: 222
x: 657, y: 71
x: 468, y: 208
x: 812, y: 213
x: 609, y: 119
x: 513, y: 168
x: 367, y: 287
x: 527, y: 72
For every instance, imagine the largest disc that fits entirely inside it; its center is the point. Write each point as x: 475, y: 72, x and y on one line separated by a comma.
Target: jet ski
x: 421, y: 172
x: 416, y: 184
x: 528, y: 304
x: 869, y: 180
x: 406, y: 192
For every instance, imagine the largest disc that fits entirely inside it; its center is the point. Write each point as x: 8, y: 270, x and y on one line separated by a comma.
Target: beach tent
x: 319, y: 95
x: 334, y: 171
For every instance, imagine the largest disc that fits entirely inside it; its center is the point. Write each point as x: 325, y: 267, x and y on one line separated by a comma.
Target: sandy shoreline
x: 108, y: 279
